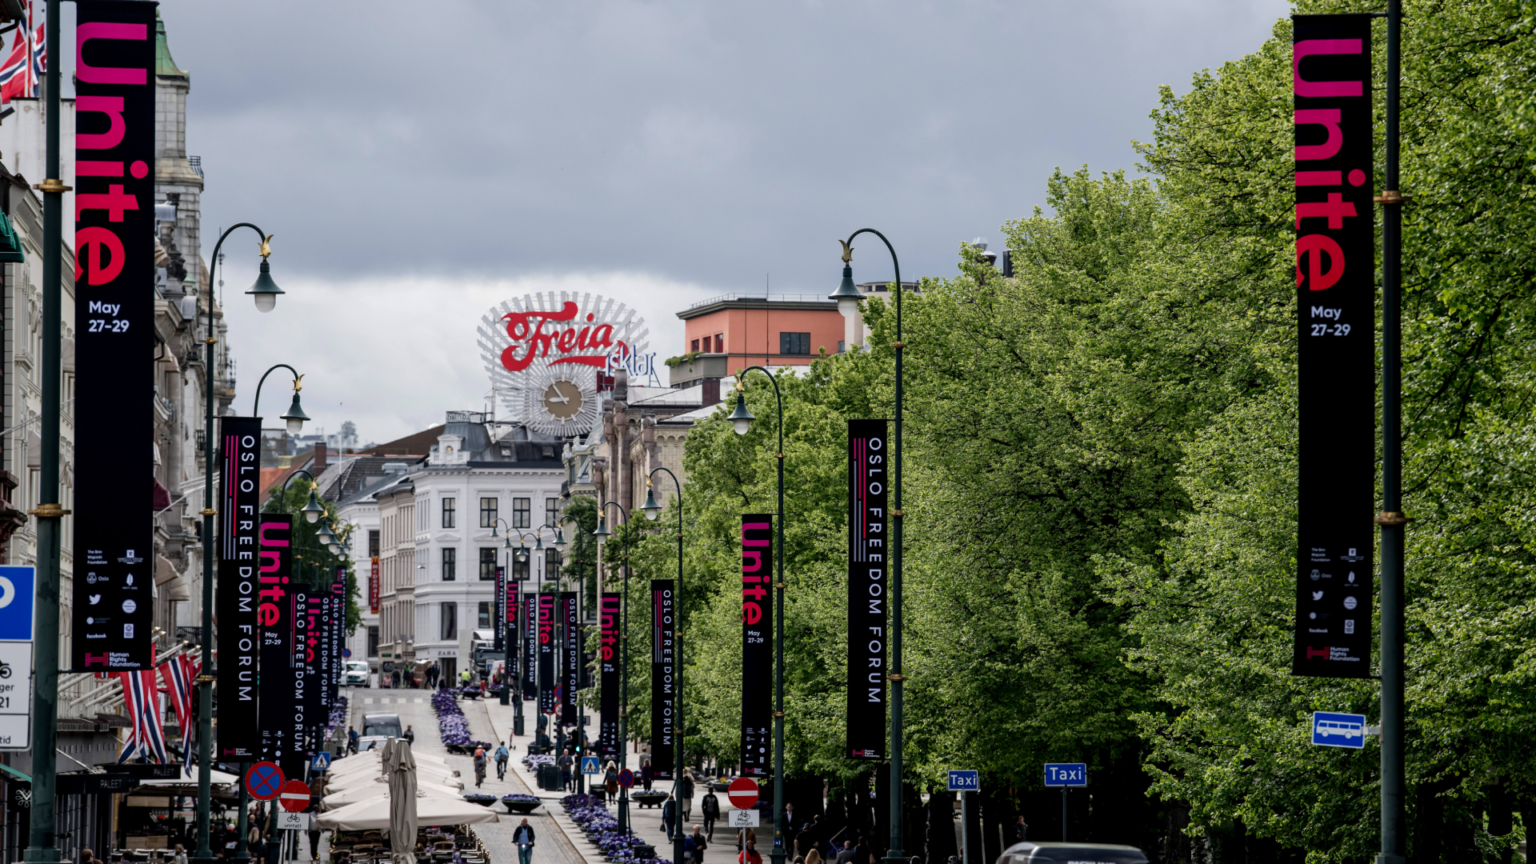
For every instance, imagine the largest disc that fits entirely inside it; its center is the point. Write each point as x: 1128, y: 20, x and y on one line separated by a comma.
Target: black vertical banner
x: 1336, y: 286
x: 756, y: 643
x: 314, y: 630
x: 546, y: 653
x: 497, y: 623
x: 866, y: 588
x: 113, y: 611
x: 298, y: 676
x: 570, y: 658
x: 608, y: 676
x: 338, y: 637
x: 239, y: 467
x: 663, y: 677
x: 510, y: 635
x: 530, y: 646
x: 274, y: 612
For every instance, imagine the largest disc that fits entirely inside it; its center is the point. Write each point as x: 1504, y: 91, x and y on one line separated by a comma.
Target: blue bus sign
x: 1338, y: 730
x: 1066, y: 774
x: 964, y: 781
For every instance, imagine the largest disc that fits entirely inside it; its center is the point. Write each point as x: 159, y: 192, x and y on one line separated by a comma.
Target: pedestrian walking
x: 565, y: 770
x: 1020, y: 830
x: 685, y: 793
x: 523, y: 837
x: 710, y: 807
x: 750, y: 855
x: 813, y: 857
x: 611, y: 781
x: 409, y: 735
x: 693, y: 847
x: 314, y: 842
x: 669, y: 816
x: 646, y: 774
x: 847, y: 854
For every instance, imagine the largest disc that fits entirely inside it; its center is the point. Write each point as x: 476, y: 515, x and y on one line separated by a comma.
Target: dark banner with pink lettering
x: 756, y: 644
x: 547, y: 684
x: 1336, y: 284
x: 235, y: 597
x: 663, y: 678
x: 608, y: 619
x: 866, y: 588
x: 312, y: 630
x: 530, y: 658
x: 275, y: 613
x: 114, y: 330
x: 498, y: 625
x: 570, y: 658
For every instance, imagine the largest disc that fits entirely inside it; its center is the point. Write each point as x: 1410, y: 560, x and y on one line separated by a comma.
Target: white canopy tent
x: 373, y: 813
x: 428, y: 774
x: 366, y: 791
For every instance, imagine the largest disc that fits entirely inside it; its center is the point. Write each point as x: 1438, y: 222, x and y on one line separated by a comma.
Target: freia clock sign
x: 544, y: 353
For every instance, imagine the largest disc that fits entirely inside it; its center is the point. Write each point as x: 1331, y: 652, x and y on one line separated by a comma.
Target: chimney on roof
x: 319, y: 457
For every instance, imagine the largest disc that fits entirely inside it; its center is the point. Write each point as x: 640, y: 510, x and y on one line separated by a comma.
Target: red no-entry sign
x: 743, y: 793
x: 264, y: 781
x: 295, y: 797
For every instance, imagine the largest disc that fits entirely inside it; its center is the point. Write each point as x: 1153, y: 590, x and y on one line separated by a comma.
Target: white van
x: 356, y: 674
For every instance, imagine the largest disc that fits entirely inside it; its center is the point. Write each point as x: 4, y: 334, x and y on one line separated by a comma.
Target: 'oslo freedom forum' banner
x: 113, y: 610
x: 275, y: 612
x: 1336, y: 287
x: 663, y: 678
x: 866, y: 588
x: 238, y: 589
x: 756, y: 643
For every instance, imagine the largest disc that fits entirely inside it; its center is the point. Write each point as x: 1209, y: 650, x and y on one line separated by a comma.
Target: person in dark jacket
x: 847, y: 854
x: 669, y: 816
x: 523, y: 837
x: 710, y: 807
x: 685, y: 794
x: 646, y: 774
x: 694, y: 845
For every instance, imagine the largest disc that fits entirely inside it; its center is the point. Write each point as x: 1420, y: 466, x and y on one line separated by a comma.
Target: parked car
x: 356, y: 674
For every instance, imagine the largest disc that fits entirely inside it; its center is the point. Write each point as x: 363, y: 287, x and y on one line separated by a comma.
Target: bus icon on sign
x: 1338, y: 730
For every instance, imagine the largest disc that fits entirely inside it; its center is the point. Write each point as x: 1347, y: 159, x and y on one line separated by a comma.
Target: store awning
x: 168, y: 580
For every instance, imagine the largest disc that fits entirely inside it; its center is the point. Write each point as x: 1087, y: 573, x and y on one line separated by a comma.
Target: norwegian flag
x: 145, y: 737
x: 178, y: 686
x: 23, y: 67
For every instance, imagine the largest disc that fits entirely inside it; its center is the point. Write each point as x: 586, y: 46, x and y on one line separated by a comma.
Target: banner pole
x: 1393, y: 523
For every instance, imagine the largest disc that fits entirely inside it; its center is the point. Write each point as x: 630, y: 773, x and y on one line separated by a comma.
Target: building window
x: 552, y: 564
x: 448, y: 513
x: 794, y: 343
x: 488, y: 564
x: 520, y: 512
x: 448, y: 622
x: 487, y: 512
x: 373, y: 540
x: 484, y: 619
x: 450, y: 564
x: 719, y: 343
x: 841, y: 346
x: 551, y: 512
x: 695, y: 346
x: 373, y: 641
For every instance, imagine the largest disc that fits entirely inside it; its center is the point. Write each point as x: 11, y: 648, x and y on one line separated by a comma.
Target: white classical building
x: 481, y: 477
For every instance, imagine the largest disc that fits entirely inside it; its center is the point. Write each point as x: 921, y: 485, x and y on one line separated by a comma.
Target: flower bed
x: 452, y: 725
x: 482, y: 800
x: 517, y: 802
x: 600, y: 826
x: 648, y: 799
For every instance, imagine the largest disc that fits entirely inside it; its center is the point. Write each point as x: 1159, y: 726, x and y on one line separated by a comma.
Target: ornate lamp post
x: 602, y: 534
x: 653, y: 512
x: 741, y: 420
x: 848, y: 298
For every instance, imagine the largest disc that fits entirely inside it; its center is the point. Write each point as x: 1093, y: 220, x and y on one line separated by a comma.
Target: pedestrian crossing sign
x: 589, y: 765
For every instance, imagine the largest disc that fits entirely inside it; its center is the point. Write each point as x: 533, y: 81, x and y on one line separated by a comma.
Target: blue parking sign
x: 1338, y: 730
x: 17, y: 587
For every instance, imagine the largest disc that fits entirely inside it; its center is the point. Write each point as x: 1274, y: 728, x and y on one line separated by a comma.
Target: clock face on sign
x: 563, y: 400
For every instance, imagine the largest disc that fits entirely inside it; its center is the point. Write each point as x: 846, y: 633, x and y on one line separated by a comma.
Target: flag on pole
x: 23, y: 67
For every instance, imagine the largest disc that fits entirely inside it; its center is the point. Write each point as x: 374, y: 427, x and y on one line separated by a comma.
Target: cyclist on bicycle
x: 501, y: 762
x: 479, y: 766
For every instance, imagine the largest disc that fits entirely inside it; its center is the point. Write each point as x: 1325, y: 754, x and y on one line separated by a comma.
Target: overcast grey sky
x: 419, y: 162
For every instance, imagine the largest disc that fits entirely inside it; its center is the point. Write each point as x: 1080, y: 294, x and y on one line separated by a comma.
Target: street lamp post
x: 653, y: 512
x: 265, y: 293
x: 741, y: 420
x: 848, y: 298
x: 602, y: 534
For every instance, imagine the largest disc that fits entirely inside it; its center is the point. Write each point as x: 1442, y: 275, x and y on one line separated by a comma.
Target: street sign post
x: 589, y: 765
x: 287, y: 821
x: 626, y: 778
x: 17, y: 590
x: 742, y: 818
x: 346, y: 653
x: 963, y: 782
x: 295, y: 797
x: 264, y: 781
x: 743, y: 793
x: 1065, y: 774
x: 1338, y: 730
x: 321, y: 761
